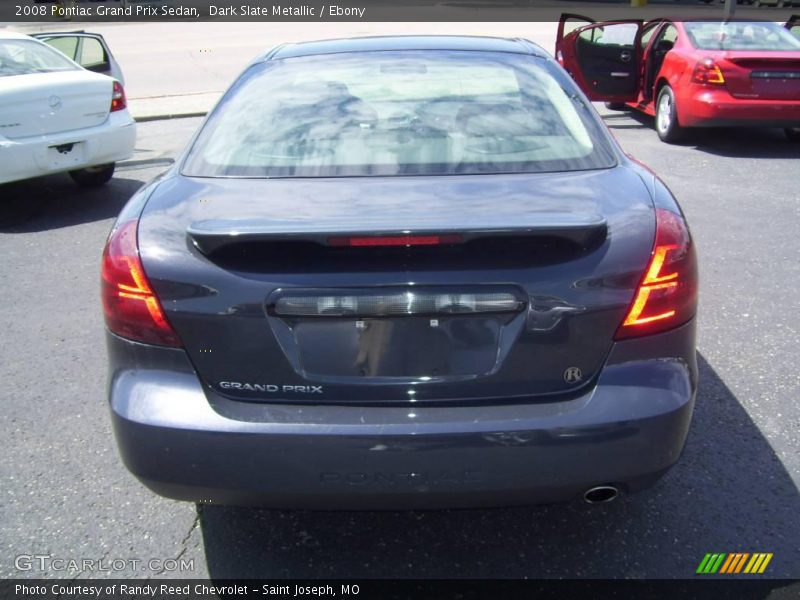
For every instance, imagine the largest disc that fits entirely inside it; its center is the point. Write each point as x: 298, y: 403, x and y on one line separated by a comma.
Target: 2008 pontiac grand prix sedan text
x: 401, y: 272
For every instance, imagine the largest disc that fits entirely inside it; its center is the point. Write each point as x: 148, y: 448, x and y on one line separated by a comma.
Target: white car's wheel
x: 93, y: 176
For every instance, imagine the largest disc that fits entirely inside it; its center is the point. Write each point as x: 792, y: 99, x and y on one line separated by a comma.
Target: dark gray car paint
x: 186, y: 442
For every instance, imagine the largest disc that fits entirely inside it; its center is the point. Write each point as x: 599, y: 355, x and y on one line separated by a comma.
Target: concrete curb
x: 173, y: 106
x: 170, y: 116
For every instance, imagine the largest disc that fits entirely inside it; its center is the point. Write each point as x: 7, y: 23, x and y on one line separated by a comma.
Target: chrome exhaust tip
x: 601, y: 494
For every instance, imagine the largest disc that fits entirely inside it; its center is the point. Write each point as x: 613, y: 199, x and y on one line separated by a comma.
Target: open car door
x: 567, y: 23
x: 793, y: 25
x: 605, y: 59
x: 89, y: 50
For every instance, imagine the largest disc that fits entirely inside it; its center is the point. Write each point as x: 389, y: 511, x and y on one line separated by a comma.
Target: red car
x: 688, y: 73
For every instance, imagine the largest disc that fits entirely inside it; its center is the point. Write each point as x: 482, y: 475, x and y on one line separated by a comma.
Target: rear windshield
x: 22, y: 57
x: 398, y: 113
x: 740, y: 35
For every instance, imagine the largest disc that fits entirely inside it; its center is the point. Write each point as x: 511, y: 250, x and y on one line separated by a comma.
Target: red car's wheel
x: 667, y: 126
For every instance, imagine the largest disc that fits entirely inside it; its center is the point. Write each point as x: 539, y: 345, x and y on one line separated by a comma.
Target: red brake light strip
x: 395, y: 240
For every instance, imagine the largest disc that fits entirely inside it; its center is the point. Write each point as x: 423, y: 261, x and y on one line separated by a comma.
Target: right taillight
x: 118, y: 99
x: 707, y: 72
x: 131, y: 308
x: 667, y: 294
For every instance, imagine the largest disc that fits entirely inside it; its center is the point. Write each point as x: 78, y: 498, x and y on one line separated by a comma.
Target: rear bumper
x: 30, y: 157
x: 717, y: 108
x: 184, y: 442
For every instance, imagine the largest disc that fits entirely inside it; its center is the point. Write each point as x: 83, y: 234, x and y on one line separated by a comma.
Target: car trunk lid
x: 51, y: 103
x: 761, y: 75
x: 499, y: 286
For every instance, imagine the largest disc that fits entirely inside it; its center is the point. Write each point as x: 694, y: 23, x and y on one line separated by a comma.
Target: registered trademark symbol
x: 573, y: 375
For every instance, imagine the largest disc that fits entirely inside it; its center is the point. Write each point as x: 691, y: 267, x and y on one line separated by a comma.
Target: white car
x: 56, y: 116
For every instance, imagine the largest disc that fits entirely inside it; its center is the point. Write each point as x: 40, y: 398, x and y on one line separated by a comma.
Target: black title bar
x: 38, y: 11
x: 228, y: 589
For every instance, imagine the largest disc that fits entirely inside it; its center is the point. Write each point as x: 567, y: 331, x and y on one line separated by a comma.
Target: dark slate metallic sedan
x: 401, y: 272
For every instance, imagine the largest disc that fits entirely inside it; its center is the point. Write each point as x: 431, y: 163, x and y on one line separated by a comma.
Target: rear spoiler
x: 212, y: 235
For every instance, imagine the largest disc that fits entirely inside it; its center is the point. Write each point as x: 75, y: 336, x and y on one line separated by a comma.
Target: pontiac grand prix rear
x: 401, y: 272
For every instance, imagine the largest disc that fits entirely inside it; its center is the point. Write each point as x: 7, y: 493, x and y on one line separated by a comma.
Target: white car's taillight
x: 118, y: 100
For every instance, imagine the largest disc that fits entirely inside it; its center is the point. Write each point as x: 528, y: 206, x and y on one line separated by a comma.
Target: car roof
x: 13, y: 35
x: 690, y: 19
x: 405, y: 42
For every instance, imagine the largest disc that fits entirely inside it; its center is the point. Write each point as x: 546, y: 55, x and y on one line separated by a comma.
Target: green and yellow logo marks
x: 736, y: 562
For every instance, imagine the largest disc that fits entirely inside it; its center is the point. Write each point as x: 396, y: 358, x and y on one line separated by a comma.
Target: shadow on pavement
x: 731, y: 142
x: 729, y: 493
x: 54, y: 202
x: 745, y: 143
x: 627, y: 120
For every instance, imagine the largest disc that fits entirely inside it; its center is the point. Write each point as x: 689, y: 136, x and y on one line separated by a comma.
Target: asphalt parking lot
x: 65, y: 492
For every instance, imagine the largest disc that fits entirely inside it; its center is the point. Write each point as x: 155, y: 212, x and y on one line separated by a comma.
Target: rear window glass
x: 67, y: 45
x: 398, y: 113
x: 740, y: 35
x: 22, y: 57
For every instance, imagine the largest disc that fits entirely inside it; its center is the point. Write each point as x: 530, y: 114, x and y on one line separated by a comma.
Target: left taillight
x: 118, y: 99
x: 131, y: 308
x: 667, y: 293
x: 707, y: 72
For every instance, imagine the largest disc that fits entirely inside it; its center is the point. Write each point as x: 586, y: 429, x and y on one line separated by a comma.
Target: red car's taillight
x: 708, y: 72
x: 118, y: 100
x: 131, y: 308
x: 667, y: 294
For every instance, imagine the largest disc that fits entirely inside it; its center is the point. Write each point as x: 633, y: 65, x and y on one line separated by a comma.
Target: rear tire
x: 91, y: 177
x: 667, y: 126
x: 792, y: 134
x: 616, y: 105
